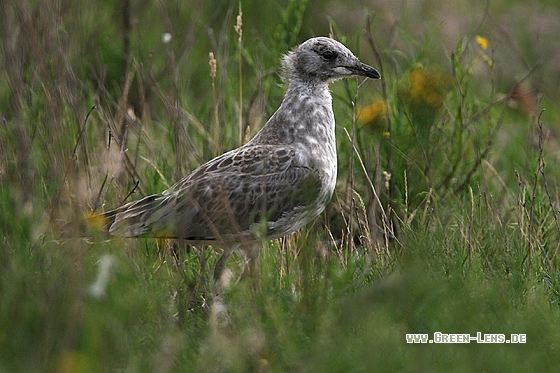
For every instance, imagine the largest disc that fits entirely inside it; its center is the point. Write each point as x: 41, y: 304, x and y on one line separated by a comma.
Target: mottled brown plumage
x: 273, y: 185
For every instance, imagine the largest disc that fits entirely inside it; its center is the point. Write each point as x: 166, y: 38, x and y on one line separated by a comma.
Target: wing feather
x: 227, y: 198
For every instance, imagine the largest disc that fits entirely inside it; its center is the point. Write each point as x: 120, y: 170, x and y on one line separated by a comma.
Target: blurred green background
x: 445, y: 217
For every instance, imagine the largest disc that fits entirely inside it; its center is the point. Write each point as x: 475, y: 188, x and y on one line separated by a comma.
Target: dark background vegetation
x: 445, y: 218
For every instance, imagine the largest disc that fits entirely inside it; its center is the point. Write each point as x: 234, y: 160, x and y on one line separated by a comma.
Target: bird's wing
x: 227, y: 199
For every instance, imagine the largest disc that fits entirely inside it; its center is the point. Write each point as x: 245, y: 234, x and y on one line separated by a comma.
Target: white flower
x: 166, y: 38
x: 97, y: 289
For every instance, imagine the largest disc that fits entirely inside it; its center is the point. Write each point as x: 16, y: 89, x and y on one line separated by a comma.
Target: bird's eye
x: 329, y: 55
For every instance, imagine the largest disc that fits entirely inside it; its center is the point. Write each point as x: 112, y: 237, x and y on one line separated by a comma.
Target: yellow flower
x: 73, y: 362
x: 372, y: 113
x: 97, y: 221
x: 427, y: 86
x: 482, y: 41
x: 417, y: 82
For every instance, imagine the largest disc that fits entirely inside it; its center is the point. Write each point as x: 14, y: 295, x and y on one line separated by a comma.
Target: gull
x: 273, y: 185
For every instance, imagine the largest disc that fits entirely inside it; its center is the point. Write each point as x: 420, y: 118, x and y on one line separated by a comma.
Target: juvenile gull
x: 276, y: 183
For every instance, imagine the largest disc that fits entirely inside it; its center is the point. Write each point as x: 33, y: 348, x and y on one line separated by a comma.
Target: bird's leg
x: 220, y: 266
x: 250, y: 254
x: 221, y: 263
x: 219, y: 317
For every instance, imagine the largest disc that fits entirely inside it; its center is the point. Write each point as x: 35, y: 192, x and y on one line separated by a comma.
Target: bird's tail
x: 101, y: 222
x: 93, y: 224
x: 129, y: 220
x: 125, y: 221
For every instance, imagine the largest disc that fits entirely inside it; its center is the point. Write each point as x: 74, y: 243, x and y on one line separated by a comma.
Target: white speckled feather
x: 273, y: 185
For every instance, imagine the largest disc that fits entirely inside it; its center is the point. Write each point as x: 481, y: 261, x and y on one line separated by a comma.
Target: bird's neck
x: 298, y: 87
x: 305, y: 116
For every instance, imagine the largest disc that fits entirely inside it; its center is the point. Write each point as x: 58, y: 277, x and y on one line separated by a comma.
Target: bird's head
x: 323, y: 60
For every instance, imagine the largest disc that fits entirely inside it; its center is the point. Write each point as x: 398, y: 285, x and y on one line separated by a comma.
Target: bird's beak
x: 366, y: 70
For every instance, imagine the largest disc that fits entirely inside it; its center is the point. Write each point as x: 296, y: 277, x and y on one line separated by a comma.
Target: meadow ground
x: 445, y: 217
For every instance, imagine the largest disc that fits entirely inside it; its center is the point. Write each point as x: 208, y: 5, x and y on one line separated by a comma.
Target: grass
x: 445, y: 217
